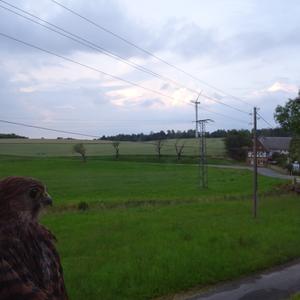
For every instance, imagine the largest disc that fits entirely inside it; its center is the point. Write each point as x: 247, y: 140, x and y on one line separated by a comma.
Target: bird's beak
x: 47, y: 200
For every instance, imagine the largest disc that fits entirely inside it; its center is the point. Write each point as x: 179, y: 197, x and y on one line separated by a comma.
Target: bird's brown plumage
x: 30, y: 267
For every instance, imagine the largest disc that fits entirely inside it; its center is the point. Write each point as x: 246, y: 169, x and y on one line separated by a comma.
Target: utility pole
x: 254, y: 162
x: 196, y: 102
x: 202, y: 147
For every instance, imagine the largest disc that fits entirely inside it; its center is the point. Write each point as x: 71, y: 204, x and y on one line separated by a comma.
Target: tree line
x: 11, y: 136
x: 172, y: 134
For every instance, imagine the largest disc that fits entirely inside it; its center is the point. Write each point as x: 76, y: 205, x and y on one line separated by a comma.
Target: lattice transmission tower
x: 202, y: 149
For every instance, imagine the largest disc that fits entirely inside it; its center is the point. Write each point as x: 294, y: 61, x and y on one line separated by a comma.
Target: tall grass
x: 142, y: 253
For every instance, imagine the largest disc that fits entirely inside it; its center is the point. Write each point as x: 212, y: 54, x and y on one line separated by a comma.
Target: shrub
x: 80, y: 149
x: 281, y: 159
x: 83, y: 206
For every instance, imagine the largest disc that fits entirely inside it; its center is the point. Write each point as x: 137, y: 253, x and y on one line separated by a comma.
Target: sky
x: 239, y: 53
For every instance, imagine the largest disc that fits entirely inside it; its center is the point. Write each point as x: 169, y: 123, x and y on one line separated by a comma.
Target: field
x: 70, y: 181
x: 150, y: 231
x: 146, y: 252
x: 43, y: 147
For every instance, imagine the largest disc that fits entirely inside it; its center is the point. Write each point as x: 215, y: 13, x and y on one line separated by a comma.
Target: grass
x: 146, y: 252
x: 189, y: 159
x: 44, y: 147
x: 71, y: 181
x: 190, y: 237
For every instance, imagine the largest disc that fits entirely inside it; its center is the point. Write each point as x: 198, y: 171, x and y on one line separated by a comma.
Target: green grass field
x: 70, y: 181
x: 44, y: 147
x: 150, y: 231
x: 146, y: 252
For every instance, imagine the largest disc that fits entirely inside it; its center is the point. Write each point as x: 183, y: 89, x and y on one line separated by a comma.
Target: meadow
x: 46, y: 147
x: 150, y: 231
x: 71, y: 181
x: 149, y: 252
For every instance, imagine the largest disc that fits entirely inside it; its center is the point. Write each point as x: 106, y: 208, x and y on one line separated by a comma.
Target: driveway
x: 275, y: 285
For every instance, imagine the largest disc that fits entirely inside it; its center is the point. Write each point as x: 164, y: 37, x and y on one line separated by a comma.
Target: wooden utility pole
x: 254, y: 162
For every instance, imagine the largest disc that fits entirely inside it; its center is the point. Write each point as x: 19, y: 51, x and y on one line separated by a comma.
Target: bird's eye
x: 33, y: 193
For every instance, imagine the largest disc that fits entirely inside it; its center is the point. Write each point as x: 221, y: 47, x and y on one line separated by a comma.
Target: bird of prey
x: 30, y: 267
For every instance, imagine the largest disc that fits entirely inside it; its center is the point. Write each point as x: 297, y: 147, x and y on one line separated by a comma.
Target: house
x: 266, y: 147
x: 296, y: 167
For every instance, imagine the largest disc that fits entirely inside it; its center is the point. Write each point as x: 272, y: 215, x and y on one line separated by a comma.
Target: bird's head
x: 23, y: 197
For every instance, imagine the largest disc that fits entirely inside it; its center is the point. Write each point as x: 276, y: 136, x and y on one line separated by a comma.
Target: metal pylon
x: 202, y: 157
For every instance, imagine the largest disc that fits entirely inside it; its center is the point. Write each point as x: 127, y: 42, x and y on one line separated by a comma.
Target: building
x: 266, y: 147
x: 296, y: 167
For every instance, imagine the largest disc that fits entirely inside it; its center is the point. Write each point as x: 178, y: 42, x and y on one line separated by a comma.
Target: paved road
x: 272, y: 173
x: 262, y: 171
x: 276, y: 285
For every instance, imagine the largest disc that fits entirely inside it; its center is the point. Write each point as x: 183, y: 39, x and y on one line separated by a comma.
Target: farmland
x: 150, y: 231
x: 45, y: 148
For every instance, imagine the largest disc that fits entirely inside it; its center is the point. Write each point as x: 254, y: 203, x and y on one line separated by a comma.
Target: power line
x: 87, y: 43
x: 49, y: 129
x: 225, y: 104
x: 220, y: 114
x: 104, y: 51
x: 91, y: 68
x: 85, y: 66
x: 223, y: 115
x: 147, y: 52
x: 261, y: 117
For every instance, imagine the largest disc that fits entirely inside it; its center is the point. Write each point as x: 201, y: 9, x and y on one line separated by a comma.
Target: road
x: 261, y: 171
x: 276, y: 285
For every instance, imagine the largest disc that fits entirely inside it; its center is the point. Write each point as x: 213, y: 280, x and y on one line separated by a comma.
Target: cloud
x: 267, y: 98
x: 109, y: 12
x: 189, y: 40
x: 65, y: 107
x: 284, y: 87
x: 251, y: 51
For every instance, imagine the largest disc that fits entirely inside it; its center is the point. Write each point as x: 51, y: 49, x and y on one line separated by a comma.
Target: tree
x: 116, y: 146
x: 288, y: 116
x: 158, y: 146
x: 295, y: 149
x: 11, y: 136
x: 179, y: 149
x: 237, y: 142
x: 80, y: 149
x: 220, y: 133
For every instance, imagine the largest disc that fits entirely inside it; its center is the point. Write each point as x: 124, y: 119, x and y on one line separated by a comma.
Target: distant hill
x: 11, y: 136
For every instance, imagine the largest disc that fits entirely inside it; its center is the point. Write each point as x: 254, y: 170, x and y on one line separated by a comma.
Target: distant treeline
x: 11, y: 136
x: 169, y: 134
x: 172, y: 134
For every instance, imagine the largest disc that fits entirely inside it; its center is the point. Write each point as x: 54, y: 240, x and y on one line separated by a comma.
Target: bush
x: 83, y: 206
x: 237, y: 143
x: 281, y: 159
x: 80, y: 149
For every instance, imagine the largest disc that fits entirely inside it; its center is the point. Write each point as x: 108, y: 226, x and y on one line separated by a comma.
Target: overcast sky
x: 248, y: 49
